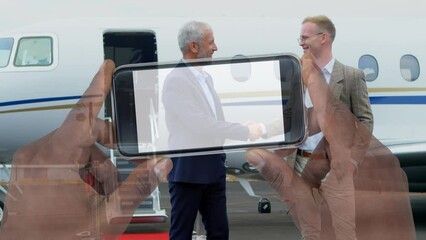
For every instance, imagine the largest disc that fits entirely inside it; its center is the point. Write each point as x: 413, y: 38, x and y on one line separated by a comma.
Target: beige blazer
x: 348, y: 85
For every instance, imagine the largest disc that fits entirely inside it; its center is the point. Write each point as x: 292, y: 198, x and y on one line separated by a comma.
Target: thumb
x: 311, y: 72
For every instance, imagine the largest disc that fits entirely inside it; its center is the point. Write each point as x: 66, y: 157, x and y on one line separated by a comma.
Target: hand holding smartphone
x: 208, y: 106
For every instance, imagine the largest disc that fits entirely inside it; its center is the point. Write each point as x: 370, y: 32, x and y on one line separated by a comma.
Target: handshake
x: 255, y: 130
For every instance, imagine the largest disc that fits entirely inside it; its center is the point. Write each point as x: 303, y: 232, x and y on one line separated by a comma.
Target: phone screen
x: 206, y: 106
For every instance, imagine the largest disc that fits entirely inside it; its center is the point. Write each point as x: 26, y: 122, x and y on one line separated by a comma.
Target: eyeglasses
x: 303, y: 39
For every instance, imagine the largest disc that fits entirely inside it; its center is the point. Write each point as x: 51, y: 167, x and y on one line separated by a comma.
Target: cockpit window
x: 410, y: 67
x: 5, y: 50
x: 34, y: 51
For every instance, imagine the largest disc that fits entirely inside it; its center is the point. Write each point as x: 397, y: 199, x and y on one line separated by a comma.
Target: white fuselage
x: 35, y: 100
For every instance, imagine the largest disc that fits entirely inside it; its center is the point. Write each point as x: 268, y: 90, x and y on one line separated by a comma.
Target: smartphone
x: 203, y: 106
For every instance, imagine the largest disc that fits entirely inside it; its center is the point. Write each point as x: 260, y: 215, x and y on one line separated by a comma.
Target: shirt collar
x: 197, y: 74
x: 329, y: 66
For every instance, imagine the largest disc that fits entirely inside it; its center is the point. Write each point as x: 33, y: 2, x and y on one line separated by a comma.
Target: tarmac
x: 244, y: 220
x: 245, y: 223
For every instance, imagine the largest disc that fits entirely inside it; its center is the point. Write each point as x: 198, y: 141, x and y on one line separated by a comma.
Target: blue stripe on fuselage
x: 401, y: 100
x: 38, y: 100
x: 376, y: 100
x: 382, y: 100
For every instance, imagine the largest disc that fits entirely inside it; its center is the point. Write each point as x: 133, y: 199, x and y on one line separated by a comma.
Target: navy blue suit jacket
x: 192, y: 124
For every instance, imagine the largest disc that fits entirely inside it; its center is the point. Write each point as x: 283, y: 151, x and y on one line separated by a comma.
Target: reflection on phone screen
x: 187, y: 108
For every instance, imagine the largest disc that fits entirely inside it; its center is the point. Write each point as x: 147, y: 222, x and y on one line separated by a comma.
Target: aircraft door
x: 130, y: 47
x: 134, y: 47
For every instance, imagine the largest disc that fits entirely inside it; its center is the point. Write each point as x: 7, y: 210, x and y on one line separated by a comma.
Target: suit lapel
x: 217, y: 103
x: 336, y: 79
x: 200, y: 90
x: 196, y: 83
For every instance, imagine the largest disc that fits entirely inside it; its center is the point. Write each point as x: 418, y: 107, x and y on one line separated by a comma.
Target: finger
x: 138, y: 185
x: 79, y: 128
x: 99, y: 88
x: 309, y: 69
x: 308, y: 56
x: 272, y: 167
x: 105, y: 133
x: 161, y: 166
x: 144, y: 179
x: 284, y: 152
x: 105, y: 175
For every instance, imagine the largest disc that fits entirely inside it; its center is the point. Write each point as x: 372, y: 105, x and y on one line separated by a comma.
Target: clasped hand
x: 63, y: 186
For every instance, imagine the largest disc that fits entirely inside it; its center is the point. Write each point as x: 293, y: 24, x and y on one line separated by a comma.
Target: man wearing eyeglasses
x: 348, y: 85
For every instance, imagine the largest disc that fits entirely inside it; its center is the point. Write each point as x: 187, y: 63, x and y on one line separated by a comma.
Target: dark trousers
x: 209, y: 199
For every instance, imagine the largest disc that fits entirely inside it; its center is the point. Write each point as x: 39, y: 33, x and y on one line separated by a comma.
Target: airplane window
x: 241, y: 72
x: 34, y: 51
x: 368, y: 64
x: 5, y: 50
x: 410, y: 68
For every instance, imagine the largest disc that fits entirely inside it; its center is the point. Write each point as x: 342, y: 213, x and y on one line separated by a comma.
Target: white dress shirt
x: 202, y: 79
x: 312, y: 141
